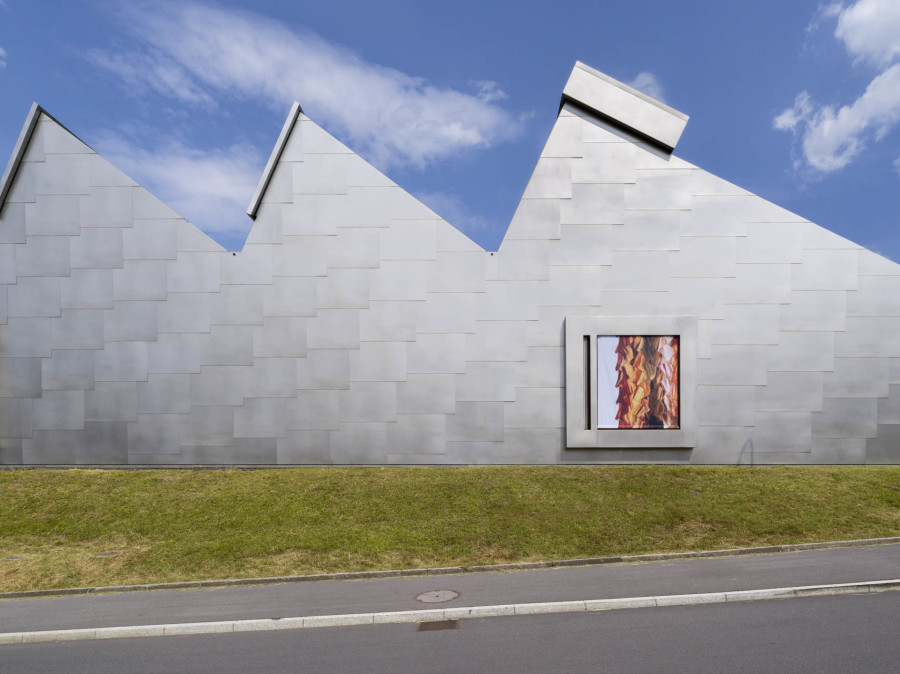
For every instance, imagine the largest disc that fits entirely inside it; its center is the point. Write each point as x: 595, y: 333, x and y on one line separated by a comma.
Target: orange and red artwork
x: 637, y: 381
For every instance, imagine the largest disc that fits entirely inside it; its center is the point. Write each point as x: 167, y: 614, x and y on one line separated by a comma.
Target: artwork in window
x: 637, y: 381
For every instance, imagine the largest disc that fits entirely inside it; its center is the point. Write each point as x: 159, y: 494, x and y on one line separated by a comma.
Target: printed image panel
x: 637, y: 381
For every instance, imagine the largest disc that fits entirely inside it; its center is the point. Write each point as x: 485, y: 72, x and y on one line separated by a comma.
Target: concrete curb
x: 438, y: 571
x: 462, y: 613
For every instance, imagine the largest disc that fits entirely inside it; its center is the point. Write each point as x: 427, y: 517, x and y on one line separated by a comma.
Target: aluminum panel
x: 523, y: 260
x: 318, y: 174
x: 111, y: 401
x: 20, y: 377
x: 155, y: 434
x: 593, y: 204
x: 129, y: 322
x: 97, y: 249
x: 147, y: 207
x: 544, y: 367
x: 735, y: 365
x: 409, y: 240
x: 746, y: 324
x: 417, y: 434
x: 184, y: 312
x: 883, y: 449
x: 304, y: 447
x: 552, y: 179
x: 856, y: 378
x: 846, y: 418
x: 791, y: 392
x: 352, y: 248
x: 50, y: 447
x: 399, y: 280
x: 281, y: 337
x: 59, y: 410
x: 508, y: 301
x: 605, y: 162
x: 876, y: 296
x: 803, y: 351
x: 341, y: 289
x: 644, y: 270
x: 845, y: 451
x: 332, y: 329
x: 67, y: 370
x: 497, y: 341
x: 727, y: 405
x: 237, y: 305
x: 476, y: 421
x: 427, y: 394
x: 34, y: 297
x: 434, y: 354
x: 324, y: 369
x: 251, y: 266
x: 218, y: 385
x: 487, y: 381
x: 359, y: 443
x: 178, y: 353
x: 103, y: 443
x: 889, y: 407
x: 536, y: 408
x: 271, y: 378
x: 63, y: 174
x: 535, y: 219
x: 164, y: 394
x: 869, y: 338
x: 378, y: 361
x: 87, y: 289
x: 457, y: 273
x: 826, y: 270
x: 314, y: 410
x: 761, y: 283
x: 815, y: 310
x: 390, y: 321
x: 12, y: 223
x: 140, y: 280
x: 10, y: 452
x: 121, y: 361
x: 368, y: 401
x: 260, y: 418
x: 530, y: 446
x: 105, y: 207
x: 43, y: 256
x: 193, y: 273
x: 25, y: 338
x: 77, y: 329
x: 228, y: 345
x: 15, y: 418
x: 208, y: 427
x: 52, y: 214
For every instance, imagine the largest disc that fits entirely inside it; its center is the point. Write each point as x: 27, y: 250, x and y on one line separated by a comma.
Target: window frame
x: 581, y: 382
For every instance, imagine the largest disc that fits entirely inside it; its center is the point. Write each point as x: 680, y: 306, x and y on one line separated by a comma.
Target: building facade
x: 639, y: 309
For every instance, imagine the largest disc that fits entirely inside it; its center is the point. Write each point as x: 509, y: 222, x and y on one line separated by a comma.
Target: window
x: 631, y: 382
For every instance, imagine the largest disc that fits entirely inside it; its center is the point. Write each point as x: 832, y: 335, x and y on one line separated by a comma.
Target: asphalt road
x: 749, y: 572
x: 848, y: 633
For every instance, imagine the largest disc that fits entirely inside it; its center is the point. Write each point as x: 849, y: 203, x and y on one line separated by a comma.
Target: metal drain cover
x: 437, y: 596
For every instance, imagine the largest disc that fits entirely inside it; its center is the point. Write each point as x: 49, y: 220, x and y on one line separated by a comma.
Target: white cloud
x: 870, y: 30
x: 647, y: 83
x: 2, y: 56
x: 210, y: 188
x: 203, y: 54
x: 897, y: 165
x: 830, y: 137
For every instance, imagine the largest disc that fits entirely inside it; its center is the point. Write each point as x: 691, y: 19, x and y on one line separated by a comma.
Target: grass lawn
x: 172, y: 525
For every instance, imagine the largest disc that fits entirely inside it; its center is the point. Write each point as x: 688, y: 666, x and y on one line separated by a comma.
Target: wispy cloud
x: 203, y: 54
x: 647, y: 83
x: 2, y: 55
x: 211, y: 188
x: 829, y: 137
x: 455, y: 211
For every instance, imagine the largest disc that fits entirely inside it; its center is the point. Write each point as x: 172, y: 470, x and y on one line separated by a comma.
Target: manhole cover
x: 106, y: 554
x: 436, y: 596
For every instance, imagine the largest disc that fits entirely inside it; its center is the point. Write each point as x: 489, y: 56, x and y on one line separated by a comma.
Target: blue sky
x: 796, y: 101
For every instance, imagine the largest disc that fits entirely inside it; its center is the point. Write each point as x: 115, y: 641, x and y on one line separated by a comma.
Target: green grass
x: 183, y: 524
